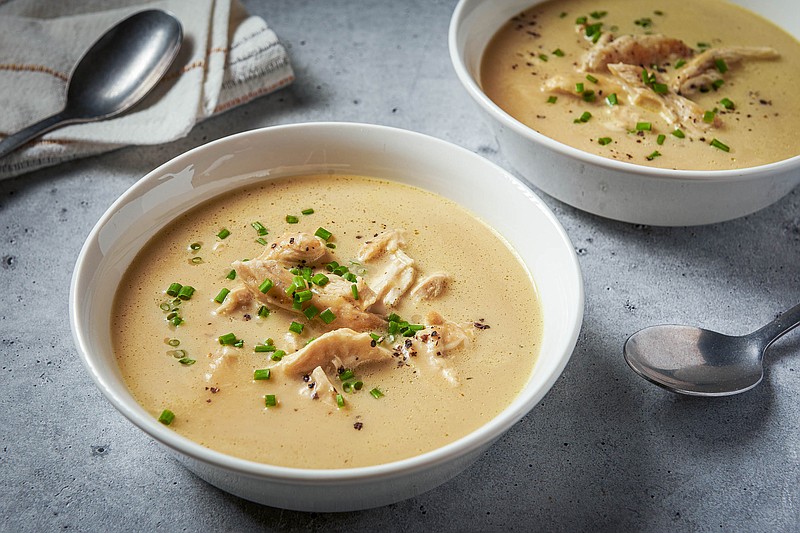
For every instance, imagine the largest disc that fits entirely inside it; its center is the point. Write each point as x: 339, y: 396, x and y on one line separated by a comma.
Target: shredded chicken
x: 429, y: 347
x: 397, y: 277
x: 641, y: 50
x: 336, y: 295
x: 675, y: 109
x: 296, y: 249
x: 238, y: 298
x: 388, y: 241
x: 346, y: 347
x: 702, y: 70
x: 319, y: 387
x: 431, y: 286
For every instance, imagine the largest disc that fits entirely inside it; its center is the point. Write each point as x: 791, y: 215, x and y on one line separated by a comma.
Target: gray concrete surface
x: 603, y: 451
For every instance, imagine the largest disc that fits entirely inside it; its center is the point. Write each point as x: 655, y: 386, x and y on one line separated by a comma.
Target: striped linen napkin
x: 227, y: 58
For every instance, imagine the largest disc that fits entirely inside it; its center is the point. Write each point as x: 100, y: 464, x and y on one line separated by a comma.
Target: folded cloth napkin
x: 227, y: 58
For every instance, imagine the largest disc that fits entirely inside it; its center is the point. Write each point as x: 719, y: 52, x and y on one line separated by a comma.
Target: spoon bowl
x: 700, y: 362
x: 115, y: 73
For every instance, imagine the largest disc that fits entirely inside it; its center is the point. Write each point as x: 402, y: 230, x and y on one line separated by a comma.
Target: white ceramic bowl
x: 614, y: 189
x: 407, y: 157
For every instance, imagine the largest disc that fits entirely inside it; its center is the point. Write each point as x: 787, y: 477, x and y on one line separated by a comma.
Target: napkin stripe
x: 252, y: 94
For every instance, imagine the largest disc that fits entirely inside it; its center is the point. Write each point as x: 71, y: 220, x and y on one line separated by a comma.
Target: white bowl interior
x: 483, y: 188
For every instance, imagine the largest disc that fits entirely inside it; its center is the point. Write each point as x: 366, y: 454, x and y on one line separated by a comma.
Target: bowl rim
x: 497, y: 113
x: 473, y: 441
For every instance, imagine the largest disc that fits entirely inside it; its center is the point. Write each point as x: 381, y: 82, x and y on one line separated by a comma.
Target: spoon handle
x: 14, y: 141
x: 778, y: 327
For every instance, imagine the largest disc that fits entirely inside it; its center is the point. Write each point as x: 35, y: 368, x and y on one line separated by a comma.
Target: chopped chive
x: 186, y: 361
x: 339, y: 401
x: 297, y: 305
x: 308, y: 211
x: 721, y: 145
x: 354, y: 291
x: 594, y: 29
x: 660, y: 139
x: 716, y: 84
x: 644, y: 22
x: 588, y: 96
x: 653, y: 155
x: 327, y: 316
x: 166, y: 417
x: 708, y: 117
x: 612, y: 99
x: 346, y: 374
x: 583, y: 118
x: 591, y: 78
x: 310, y: 312
x: 291, y: 219
x: 270, y: 400
x: 602, y: 141
x: 262, y: 241
x: 176, y: 321
x: 376, y: 393
x: 323, y: 234
x: 223, y: 233
x: 231, y: 275
x: 722, y: 67
x: 222, y: 295
x: 303, y: 296
x: 263, y: 312
x: 177, y: 354
x: 552, y: 99
x: 579, y: 87
x: 174, y: 342
x: 196, y: 260
x: 330, y: 245
x: 598, y: 14
x: 679, y: 134
x: 259, y: 227
x: 261, y: 374
x: 727, y: 103
x: 195, y: 246
x: 580, y: 20
x: 347, y: 386
x: 320, y: 279
x: 296, y: 327
x: 174, y: 289
x: 679, y: 63
x: 358, y: 385
x: 558, y: 52
x: 265, y: 286
x: 277, y: 355
x: 260, y: 348
x: 349, y: 276
x: 643, y: 126
x: 543, y: 57
x: 228, y: 339
x: 239, y: 343
x: 596, y: 36
x: 186, y: 292
x: 164, y: 306
x: 306, y: 273
x: 660, y: 88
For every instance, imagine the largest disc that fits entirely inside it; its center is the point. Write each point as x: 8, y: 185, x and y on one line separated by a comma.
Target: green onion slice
x: 222, y: 295
x: 223, y: 233
x: 376, y: 393
x: 716, y: 143
x: 323, y: 234
x: 261, y: 374
x: 166, y: 417
x: 270, y: 400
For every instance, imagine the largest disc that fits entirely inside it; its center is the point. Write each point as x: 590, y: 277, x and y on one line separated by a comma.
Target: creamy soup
x: 326, y: 321
x: 680, y: 84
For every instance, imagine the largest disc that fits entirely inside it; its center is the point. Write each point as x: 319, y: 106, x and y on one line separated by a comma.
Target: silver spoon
x: 115, y: 73
x: 700, y: 362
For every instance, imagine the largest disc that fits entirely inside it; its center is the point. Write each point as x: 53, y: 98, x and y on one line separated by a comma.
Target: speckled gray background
x: 603, y: 451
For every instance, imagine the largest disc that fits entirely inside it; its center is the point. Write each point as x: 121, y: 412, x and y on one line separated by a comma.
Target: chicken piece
x: 388, y: 241
x: 702, y: 69
x: 675, y: 109
x: 429, y: 347
x: 237, y: 299
x: 641, y: 50
x: 340, y: 347
x: 297, y: 249
x: 398, y: 275
x: 319, y: 387
x: 336, y: 295
x: 431, y: 286
x: 222, y: 367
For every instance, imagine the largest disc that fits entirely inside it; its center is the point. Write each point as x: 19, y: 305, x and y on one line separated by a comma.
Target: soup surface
x: 680, y: 84
x: 391, y: 321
